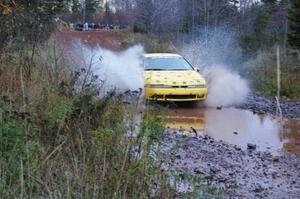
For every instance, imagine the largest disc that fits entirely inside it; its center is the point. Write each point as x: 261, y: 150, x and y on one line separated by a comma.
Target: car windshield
x: 167, y: 63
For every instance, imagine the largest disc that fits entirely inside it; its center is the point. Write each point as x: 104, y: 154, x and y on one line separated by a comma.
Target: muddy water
x: 235, y: 126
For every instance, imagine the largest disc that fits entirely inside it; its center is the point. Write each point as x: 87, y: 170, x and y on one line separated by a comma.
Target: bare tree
x: 158, y: 16
x: 125, y: 11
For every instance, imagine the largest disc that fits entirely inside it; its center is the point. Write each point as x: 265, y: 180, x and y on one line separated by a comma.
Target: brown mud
x: 109, y: 39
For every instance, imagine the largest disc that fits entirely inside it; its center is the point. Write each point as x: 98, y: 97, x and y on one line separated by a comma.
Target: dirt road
x: 236, y: 173
x: 241, y: 154
x: 109, y: 39
x: 268, y: 105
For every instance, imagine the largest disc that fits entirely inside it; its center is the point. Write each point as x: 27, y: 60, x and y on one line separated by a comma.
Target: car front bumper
x: 175, y: 94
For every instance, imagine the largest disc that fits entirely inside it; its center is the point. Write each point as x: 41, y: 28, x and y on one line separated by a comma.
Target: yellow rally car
x: 170, y: 77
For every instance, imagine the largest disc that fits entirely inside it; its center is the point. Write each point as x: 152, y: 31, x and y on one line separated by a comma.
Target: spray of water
x: 212, y: 47
x: 123, y: 71
x: 117, y: 71
x: 215, y: 54
x: 225, y: 87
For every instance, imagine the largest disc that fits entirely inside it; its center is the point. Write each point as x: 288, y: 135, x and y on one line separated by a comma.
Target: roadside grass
x: 96, y: 163
x: 59, y: 139
x: 262, y: 71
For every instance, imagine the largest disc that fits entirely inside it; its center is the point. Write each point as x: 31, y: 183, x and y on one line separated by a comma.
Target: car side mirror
x: 197, y: 69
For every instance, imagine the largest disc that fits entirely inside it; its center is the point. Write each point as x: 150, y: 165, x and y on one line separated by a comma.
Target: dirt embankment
x: 109, y: 39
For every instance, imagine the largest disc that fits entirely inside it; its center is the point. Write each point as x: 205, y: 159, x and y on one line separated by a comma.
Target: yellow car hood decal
x: 173, y: 78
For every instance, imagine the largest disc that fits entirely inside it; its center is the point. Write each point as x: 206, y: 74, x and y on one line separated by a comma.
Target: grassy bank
x: 60, y: 140
x: 262, y: 71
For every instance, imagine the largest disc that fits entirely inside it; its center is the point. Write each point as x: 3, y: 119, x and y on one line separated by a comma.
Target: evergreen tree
x: 76, y: 9
x: 294, y: 24
x: 91, y: 6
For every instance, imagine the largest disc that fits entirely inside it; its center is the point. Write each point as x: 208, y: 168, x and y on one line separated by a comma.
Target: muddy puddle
x: 236, y: 126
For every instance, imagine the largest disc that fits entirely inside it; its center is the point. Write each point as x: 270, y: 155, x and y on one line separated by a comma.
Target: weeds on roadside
x: 61, y: 142
x: 263, y: 73
x: 59, y: 139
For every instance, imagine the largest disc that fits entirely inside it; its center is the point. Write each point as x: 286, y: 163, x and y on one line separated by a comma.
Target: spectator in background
x: 86, y: 26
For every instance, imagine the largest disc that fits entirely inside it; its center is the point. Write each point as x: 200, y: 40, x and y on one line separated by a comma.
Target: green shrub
x: 249, y: 44
x: 262, y: 72
x: 13, y: 137
x: 60, y: 111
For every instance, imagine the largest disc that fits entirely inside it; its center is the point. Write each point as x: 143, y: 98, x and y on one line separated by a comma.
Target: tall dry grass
x: 57, y: 141
x: 262, y: 71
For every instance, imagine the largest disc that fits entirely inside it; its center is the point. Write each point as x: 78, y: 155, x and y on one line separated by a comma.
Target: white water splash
x: 214, y: 54
x: 119, y: 71
x: 225, y: 88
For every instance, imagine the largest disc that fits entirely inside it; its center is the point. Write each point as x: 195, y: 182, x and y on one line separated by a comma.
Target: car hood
x: 173, y: 78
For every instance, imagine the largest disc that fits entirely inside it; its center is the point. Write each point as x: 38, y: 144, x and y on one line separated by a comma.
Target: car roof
x: 161, y: 55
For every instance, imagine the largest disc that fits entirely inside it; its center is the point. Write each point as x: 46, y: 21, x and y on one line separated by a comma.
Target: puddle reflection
x: 185, y: 120
x: 236, y: 126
